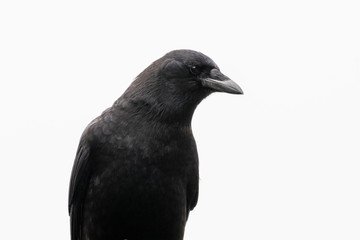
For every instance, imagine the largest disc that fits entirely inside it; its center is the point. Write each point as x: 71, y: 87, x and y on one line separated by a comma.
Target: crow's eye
x: 195, y: 70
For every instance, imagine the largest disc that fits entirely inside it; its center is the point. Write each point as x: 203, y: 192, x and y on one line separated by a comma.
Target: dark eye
x: 195, y: 70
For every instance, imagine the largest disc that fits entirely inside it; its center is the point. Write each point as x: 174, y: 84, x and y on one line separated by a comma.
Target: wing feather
x: 80, y: 176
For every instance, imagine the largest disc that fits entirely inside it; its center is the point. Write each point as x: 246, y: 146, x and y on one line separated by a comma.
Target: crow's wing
x: 80, y: 176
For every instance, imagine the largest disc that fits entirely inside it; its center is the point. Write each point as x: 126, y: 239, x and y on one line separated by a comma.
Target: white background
x: 280, y: 162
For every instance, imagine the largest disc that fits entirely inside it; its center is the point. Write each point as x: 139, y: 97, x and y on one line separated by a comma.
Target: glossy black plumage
x: 136, y: 173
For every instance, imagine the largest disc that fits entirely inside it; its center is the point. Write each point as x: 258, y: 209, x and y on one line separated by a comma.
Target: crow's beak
x: 220, y: 83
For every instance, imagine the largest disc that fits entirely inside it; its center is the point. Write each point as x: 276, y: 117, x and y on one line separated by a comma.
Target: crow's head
x: 190, y: 70
x: 176, y: 83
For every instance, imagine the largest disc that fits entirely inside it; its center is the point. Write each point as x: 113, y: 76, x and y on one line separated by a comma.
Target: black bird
x: 136, y: 172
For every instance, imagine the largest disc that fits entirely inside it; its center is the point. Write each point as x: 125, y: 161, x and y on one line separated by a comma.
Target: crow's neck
x: 168, y: 112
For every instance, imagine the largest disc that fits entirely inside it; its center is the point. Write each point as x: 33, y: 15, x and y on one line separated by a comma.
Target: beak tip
x: 238, y: 91
x: 235, y: 89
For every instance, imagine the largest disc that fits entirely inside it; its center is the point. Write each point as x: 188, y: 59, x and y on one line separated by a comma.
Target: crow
x: 136, y: 173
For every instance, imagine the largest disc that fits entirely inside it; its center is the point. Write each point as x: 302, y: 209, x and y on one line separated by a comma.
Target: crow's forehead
x: 190, y: 57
